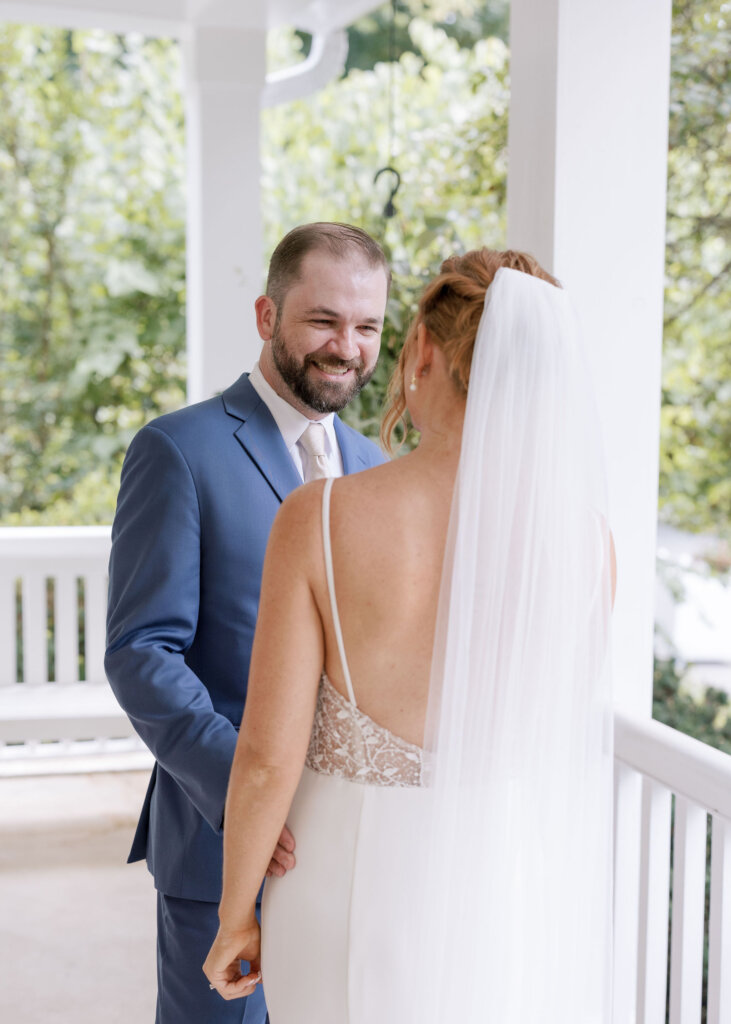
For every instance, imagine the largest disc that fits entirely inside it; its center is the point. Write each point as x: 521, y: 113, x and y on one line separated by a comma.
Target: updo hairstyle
x: 451, y: 308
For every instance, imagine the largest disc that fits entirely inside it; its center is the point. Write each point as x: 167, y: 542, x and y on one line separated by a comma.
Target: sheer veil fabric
x: 507, y: 885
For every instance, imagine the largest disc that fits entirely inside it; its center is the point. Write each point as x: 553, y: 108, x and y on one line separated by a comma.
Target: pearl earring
x: 412, y: 385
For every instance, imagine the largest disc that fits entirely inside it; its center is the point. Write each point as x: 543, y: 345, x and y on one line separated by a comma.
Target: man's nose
x: 345, y: 342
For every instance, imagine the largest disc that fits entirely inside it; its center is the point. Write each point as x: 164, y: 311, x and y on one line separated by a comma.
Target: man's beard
x: 318, y: 395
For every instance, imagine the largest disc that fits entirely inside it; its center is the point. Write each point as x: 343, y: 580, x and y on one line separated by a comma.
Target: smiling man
x: 200, y: 488
x: 321, y: 320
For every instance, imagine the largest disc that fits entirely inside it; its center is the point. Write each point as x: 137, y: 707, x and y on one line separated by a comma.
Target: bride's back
x: 388, y: 529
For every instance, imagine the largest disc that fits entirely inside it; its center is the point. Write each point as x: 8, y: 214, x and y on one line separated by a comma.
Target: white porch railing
x: 671, y: 790
x: 55, y: 700
x: 673, y: 794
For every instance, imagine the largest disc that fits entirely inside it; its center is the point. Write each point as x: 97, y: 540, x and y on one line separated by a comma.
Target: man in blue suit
x: 200, y: 488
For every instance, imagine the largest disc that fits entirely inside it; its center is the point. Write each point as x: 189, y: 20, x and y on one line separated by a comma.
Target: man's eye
x: 322, y: 323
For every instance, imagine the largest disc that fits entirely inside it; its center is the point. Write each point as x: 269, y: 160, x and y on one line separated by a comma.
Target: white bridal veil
x: 509, y: 878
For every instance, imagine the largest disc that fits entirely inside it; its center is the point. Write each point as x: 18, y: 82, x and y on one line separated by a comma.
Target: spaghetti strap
x: 331, y: 585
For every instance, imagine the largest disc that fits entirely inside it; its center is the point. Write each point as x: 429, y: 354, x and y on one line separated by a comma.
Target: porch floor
x: 77, y: 928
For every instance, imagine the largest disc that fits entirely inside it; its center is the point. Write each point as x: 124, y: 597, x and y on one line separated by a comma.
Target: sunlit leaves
x: 91, y: 254
x: 695, y: 460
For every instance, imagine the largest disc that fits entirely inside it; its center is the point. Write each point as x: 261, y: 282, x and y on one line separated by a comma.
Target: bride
x: 428, y: 705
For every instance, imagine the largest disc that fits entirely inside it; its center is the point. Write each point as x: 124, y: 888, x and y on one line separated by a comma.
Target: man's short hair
x: 339, y: 240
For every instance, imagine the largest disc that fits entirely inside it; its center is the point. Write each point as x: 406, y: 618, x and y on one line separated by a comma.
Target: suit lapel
x: 353, y: 461
x: 260, y: 438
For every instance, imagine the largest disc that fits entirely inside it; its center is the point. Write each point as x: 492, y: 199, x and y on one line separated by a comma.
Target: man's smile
x: 329, y: 369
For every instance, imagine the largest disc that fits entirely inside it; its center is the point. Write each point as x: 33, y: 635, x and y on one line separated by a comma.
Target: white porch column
x: 586, y: 195
x: 224, y: 71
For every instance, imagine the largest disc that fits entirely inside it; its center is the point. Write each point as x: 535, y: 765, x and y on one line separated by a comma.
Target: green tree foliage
x: 706, y: 716
x: 385, y: 34
x: 695, y: 470
x: 92, y: 258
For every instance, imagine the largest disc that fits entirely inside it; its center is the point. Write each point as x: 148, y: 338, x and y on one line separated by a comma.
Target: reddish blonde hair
x: 451, y: 308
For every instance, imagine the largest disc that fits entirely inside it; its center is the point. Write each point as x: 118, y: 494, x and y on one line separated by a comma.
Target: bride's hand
x: 223, y: 967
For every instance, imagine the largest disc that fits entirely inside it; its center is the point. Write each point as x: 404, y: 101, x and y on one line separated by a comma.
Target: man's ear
x: 424, y: 350
x: 266, y: 317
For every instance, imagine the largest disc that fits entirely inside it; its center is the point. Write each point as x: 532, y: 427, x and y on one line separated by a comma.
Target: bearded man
x: 199, y: 491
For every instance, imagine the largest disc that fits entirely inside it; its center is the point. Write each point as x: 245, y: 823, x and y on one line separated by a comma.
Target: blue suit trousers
x: 185, y: 931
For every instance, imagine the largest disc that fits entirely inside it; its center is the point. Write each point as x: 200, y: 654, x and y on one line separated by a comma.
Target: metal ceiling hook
x: 389, y: 209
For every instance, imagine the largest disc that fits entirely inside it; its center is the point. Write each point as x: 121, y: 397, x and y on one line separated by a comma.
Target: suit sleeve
x: 154, y: 575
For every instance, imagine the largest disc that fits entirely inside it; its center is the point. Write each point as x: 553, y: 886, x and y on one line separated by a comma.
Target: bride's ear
x: 424, y: 350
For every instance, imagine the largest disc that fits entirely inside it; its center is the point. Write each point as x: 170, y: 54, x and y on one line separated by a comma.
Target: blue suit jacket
x: 200, y: 488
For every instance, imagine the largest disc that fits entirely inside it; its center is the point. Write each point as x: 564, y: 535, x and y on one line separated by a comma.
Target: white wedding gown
x: 335, y: 949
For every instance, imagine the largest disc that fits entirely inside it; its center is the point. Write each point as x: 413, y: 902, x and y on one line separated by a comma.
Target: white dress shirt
x: 292, y: 425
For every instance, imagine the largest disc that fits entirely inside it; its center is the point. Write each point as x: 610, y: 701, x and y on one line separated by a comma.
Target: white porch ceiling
x: 177, y: 17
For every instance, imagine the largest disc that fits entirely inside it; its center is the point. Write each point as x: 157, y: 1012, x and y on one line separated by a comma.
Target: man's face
x: 325, y: 338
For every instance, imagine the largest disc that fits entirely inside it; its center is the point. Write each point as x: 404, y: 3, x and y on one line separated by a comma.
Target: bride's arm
x: 286, y: 664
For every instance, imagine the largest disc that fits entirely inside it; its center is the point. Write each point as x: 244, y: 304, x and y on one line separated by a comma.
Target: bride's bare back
x: 388, y: 529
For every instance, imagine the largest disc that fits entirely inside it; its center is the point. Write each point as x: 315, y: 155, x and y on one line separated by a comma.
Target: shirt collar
x: 291, y: 422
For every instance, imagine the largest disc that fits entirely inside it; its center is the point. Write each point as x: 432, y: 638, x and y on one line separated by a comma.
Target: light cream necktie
x: 313, y: 442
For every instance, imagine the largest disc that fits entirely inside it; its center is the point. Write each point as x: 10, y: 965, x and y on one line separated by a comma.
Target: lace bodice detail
x: 347, y: 743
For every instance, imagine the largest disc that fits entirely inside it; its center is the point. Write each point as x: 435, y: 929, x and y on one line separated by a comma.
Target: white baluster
x: 627, y: 806
x: 689, y: 890
x: 35, y: 641
x: 654, y: 903
x: 8, y: 647
x: 66, y: 628
x: 719, y: 929
x: 95, y: 613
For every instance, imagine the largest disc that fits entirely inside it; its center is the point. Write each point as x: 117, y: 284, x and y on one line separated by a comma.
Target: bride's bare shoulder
x: 301, y: 513
x: 301, y: 507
